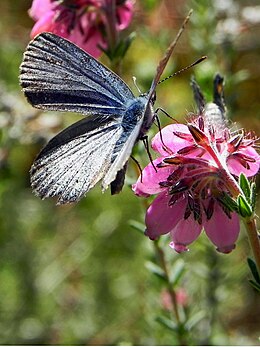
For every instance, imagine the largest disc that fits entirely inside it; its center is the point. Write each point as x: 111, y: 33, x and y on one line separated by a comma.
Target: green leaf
x: 118, y: 52
x: 255, y: 285
x: 228, y: 202
x: 167, y: 323
x: 245, y: 186
x: 124, y: 45
x: 195, y: 319
x: 137, y: 225
x: 244, y: 207
x: 176, y: 272
x: 253, y: 268
x: 253, y: 195
x: 156, y: 270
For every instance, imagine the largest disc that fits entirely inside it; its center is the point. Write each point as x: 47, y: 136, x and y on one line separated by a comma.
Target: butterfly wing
x: 58, y: 75
x: 75, y: 159
x: 121, y: 154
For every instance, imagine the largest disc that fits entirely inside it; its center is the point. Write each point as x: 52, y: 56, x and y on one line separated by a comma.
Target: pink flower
x: 181, y: 298
x: 80, y: 21
x: 197, y: 163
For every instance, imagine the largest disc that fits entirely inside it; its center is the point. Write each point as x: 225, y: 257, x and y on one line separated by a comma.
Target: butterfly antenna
x: 184, y: 69
x: 136, y: 85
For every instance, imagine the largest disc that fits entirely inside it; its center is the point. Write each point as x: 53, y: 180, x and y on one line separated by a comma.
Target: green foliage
x: 246, y: 203
x: 244, y: 207
x: 118, y: 53
x: 229, y: 202
x: 256, y: 283
x: 72, y: 275
x: 245, y: 186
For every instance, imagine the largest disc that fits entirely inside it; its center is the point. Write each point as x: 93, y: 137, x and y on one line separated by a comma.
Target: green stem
x: 172, y: 293
x: 112, y: 34
x: 181, y: 337
x: 110, y: 11
x: 250, y: 224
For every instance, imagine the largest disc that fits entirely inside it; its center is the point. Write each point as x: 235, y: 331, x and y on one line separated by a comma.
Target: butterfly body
x: 139, y: 109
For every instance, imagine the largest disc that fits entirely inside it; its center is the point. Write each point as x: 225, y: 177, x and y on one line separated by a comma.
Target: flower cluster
x: 197, y: 163
x: 81, y: 21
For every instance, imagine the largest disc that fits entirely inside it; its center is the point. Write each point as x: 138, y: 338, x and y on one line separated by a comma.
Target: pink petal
x: 236, y: 168
x: 39, y: 8
x: 45, y: 23
x: 162, y: 218
x: 173, y: 142
x: 151, y: 178
x: 221, y: 230
x: 184, y: 233
x: 124, y: 14
x: 91, y: 43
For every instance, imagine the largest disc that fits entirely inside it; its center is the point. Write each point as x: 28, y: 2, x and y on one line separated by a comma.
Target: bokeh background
x: 78, y: 274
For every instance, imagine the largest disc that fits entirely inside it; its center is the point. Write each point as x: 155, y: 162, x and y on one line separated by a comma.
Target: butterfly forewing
x: 58, y: 75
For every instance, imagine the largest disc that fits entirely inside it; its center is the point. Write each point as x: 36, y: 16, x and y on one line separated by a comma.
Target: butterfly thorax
x: 138, y: 109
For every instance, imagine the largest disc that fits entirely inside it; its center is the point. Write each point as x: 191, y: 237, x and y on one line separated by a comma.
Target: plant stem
x: 172, y: 293
x: 179, y: 330
x: 250, y: 224
x: 112, y: 34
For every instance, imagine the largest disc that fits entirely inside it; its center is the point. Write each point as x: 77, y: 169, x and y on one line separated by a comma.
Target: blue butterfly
x: 57, y: 75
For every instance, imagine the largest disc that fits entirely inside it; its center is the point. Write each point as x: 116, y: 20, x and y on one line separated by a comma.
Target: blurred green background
x: 76, y: 274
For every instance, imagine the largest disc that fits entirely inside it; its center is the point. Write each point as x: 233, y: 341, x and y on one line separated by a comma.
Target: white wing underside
x: 72, y: 169
x: 122, y: 156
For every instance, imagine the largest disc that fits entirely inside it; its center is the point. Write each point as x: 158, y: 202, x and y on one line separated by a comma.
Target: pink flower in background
x: 195, y: 167
x: 80, y: 21
x: 181, y: 298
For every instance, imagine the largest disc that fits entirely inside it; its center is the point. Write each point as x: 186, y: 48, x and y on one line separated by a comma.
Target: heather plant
x: 92, y: 25
x: 141, y: 288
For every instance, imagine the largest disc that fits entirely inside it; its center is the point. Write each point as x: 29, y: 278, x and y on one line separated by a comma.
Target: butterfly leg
x: 146, y: 145
x: 139, y: 167
x: 166, y: 148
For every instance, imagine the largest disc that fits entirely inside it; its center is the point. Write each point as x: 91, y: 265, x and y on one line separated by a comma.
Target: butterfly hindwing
x: 121, y: 153
x: 58, y: 75
x: 75, y: 159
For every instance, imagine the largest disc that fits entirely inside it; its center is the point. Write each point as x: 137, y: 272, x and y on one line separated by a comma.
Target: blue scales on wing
x: 58, y: 75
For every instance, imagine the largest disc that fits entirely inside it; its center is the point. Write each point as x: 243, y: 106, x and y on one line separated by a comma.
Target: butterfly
x: 57, y: 75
